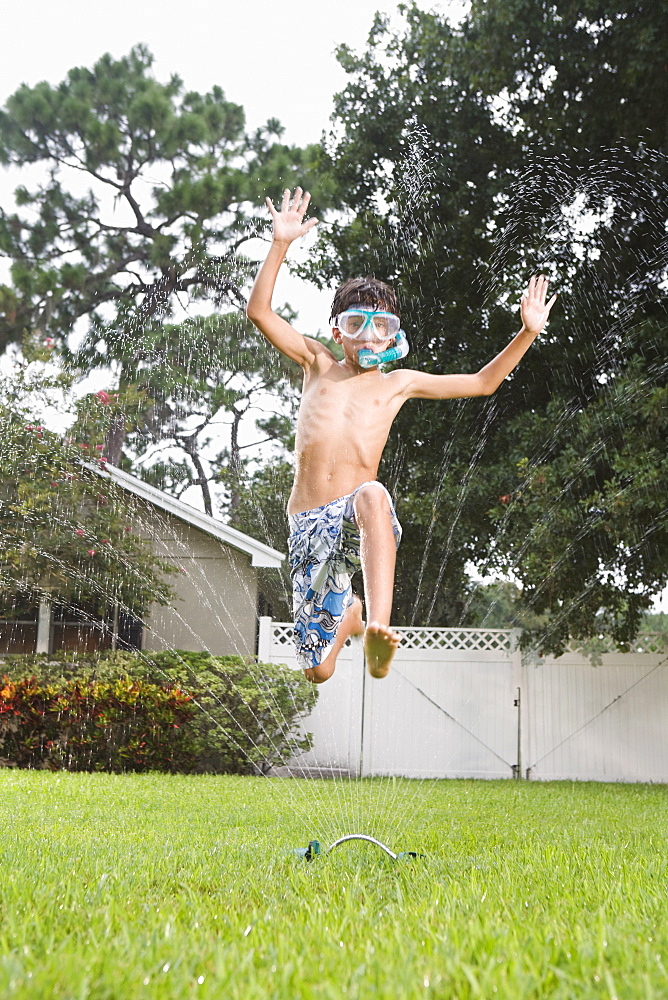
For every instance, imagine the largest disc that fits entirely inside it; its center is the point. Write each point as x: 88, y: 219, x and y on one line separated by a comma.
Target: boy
x: 339, y: 514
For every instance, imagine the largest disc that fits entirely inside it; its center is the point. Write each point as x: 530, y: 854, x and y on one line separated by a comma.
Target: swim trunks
x: 324, y: 552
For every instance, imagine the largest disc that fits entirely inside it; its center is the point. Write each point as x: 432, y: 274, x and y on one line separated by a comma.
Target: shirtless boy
x: 339, y: 514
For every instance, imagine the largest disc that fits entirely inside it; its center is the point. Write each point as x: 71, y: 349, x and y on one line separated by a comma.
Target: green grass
x: 158, y: 886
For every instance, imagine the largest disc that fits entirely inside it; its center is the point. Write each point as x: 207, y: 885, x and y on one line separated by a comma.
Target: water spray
x: 313, y: 849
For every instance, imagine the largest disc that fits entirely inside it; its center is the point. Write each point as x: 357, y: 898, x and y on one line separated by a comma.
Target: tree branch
x: 143, y: 227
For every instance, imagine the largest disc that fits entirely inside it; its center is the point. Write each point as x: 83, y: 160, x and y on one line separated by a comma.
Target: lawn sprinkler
x: 313, y: 849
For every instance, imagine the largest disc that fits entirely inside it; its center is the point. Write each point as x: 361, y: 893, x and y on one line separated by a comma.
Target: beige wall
x: 217, y: 610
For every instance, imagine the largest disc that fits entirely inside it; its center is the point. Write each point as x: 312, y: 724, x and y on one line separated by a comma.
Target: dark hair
x: 368, y: 291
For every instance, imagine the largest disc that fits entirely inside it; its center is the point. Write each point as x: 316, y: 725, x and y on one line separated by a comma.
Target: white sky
x: 274, y: 58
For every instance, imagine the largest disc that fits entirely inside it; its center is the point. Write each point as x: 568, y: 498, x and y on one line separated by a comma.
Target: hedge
x: 172, y: 711
x: 93, y: 725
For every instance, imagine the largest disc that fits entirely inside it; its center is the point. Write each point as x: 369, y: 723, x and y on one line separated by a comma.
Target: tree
x: 66, y: 532
x: 592, y: 82
x: 579, y: 73
x: 139, y: 223
x: 210, y: 369
x: 261, y: 513
x: 584, y: 530
x: 500, y: 605
x: 465, y: 170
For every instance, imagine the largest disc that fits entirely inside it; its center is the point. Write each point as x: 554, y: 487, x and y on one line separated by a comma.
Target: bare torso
x: 344, y: 422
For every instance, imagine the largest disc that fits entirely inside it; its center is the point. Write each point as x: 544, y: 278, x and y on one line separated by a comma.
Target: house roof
x: 261, y: 555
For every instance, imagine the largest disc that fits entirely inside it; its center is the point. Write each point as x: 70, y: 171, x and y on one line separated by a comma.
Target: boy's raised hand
x: 289, y: 223
x: 534, y: 309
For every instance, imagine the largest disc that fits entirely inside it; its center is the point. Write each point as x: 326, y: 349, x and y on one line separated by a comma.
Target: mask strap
x: 369, y: 359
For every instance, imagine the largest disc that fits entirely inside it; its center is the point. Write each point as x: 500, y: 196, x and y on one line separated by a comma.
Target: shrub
x: 92, y: 725
x: 242, y: 715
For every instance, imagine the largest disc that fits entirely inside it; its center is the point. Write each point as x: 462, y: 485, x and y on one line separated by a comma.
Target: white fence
x: 463, y: 703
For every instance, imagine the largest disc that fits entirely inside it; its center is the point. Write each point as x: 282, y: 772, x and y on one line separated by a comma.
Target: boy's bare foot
x: 380, y: 645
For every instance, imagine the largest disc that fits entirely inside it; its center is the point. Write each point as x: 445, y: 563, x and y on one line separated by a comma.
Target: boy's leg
x: 351, y: 624
x: 378, y: 553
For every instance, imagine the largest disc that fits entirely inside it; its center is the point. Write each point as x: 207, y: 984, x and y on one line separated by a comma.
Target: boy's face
x: 351, y: 348
x: 364, y: 331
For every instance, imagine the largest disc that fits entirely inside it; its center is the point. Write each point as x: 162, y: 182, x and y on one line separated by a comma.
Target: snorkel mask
x: 362, y: 323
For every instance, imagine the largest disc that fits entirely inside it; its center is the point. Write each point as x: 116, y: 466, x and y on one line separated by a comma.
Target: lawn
x: 125, y: 886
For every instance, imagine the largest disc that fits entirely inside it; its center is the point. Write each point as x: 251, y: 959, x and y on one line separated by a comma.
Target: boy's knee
x: 319, y: 674
x: 371, y: 497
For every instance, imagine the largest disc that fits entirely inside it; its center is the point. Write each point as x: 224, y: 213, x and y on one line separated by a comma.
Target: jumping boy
x: 339, y: 514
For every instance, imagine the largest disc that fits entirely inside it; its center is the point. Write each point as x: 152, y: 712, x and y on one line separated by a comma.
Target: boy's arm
x: 535, y: 311
x: 288, y: 226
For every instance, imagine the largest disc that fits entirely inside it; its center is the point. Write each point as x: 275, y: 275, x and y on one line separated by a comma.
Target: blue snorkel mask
x: 366, y: 324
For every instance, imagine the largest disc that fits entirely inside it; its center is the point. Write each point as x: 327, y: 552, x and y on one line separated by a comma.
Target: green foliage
x: 202, y: 369
x: 95, y: 725
x: 469, y: 158
x: 260, y: 512
x: 500, y: 605
x: 245, y: 713
x: 66, y: 530
x: 580, y: 72
x: 584, y: 530
x: 124, y: 129
x: 657, y: 623
x: 249, y: 710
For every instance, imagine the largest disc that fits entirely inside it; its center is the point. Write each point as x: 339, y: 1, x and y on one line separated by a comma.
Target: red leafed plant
x: 125, y: 724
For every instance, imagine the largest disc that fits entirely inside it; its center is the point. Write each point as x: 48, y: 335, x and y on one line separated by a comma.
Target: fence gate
x: 597, y: 722
x: 448, y: 707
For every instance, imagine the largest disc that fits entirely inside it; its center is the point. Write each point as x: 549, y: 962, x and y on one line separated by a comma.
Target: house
x: 216, y: 605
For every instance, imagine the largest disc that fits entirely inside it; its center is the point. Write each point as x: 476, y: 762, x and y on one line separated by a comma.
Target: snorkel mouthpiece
x: 369, y: 359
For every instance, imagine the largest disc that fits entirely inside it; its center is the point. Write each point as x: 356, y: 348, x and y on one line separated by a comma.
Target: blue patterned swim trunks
x: 324, y: 552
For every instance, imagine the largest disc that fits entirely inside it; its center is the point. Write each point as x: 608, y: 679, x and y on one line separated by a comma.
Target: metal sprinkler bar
x: 313, y: 848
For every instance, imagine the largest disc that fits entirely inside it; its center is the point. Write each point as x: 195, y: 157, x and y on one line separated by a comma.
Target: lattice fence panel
x: 282, y: 637
x: 473, y: 639
x: 282, y: 634
x: 468, y: 639
x: 651, y: 642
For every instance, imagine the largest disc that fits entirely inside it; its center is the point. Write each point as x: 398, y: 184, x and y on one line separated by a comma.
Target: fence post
x: 516, y: 654
x: 264, y: 639
x: 43, y: 626
x: 358, y: 668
